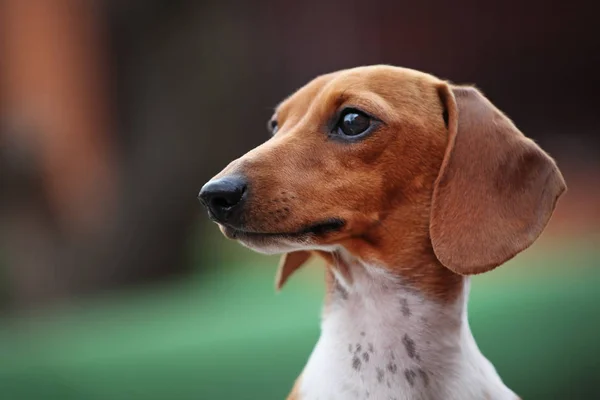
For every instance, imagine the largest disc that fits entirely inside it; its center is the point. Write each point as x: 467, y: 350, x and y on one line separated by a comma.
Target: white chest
x: 382, y: 341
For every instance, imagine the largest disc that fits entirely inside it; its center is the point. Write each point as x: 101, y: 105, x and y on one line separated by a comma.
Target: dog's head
x: 395, y: 166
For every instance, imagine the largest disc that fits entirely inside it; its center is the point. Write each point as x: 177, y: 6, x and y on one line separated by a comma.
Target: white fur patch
x: 381, y: 340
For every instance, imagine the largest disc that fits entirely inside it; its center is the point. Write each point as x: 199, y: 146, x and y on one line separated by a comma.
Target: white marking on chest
x: 382, y: 340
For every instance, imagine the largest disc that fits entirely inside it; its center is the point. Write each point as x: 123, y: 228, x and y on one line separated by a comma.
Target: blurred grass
x: 228, y: 335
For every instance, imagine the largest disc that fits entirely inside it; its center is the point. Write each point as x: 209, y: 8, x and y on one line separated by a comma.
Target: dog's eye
x: 353, y: 123
x: 272, y: 126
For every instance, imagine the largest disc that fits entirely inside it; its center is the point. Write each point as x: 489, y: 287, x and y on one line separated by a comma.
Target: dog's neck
x: 383, y: 340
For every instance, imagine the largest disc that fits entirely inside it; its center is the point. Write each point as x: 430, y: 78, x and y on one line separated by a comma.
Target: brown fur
x: 512, y: 187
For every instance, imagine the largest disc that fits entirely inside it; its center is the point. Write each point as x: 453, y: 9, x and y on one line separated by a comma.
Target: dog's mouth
x: 318, y: 229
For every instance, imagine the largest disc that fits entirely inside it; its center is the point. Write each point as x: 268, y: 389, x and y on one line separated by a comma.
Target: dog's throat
x: 382, y: 340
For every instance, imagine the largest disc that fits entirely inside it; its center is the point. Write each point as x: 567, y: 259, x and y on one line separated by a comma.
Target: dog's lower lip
x: 320, y: 228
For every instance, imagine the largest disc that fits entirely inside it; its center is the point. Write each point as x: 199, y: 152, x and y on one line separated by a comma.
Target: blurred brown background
x: 114, y: 113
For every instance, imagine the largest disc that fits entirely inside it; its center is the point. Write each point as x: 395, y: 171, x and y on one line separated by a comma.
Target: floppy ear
x: 288, y: 264
x: 495, y: 191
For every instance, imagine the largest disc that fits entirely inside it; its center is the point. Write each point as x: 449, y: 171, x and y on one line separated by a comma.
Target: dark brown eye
x: 353, y: 123
x: 272, y: 126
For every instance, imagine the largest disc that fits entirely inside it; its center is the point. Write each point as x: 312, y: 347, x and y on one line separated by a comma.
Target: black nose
x: 223, y: 197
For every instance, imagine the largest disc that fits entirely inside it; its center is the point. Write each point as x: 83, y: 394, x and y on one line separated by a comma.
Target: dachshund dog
x: 406, y: 185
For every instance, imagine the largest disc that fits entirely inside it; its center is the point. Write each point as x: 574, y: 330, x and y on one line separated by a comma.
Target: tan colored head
x: 403, y: 170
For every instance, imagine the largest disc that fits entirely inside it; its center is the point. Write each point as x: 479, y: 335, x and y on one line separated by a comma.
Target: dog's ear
x: 288, y: 264
x: 496, y: 189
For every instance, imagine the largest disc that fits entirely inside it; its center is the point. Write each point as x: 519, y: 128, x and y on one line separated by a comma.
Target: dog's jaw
x: 383, y: 340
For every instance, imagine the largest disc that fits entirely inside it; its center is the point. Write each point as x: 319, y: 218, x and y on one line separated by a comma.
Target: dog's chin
x: 308, y: 238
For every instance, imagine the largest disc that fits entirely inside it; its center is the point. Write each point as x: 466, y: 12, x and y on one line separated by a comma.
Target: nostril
x: 222, y: 202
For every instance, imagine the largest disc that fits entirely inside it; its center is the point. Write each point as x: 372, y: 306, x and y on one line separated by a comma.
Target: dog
x: 406, y: 185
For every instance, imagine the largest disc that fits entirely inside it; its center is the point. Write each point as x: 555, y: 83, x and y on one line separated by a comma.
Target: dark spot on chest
x: 365, y: 356
x: 424, y: 376
x: 410, y: 347
x: 410, y: 376
x: 358, y: 347
x: 392, y: 367
x: 371, y: 349
x: 380, y: 375
x: 405, y: 309
x: 356, y: 363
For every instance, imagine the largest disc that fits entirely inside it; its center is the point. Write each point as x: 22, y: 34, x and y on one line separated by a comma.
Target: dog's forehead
x: 303, y: 97
x: 390, y: 83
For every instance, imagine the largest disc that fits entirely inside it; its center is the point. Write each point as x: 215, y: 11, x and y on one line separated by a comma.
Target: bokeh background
x: 113, y: 283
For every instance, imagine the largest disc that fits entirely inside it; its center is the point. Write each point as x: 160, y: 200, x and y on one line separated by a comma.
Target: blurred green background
x: 113, y: 114
x: 229, y: 335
